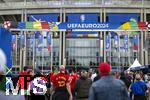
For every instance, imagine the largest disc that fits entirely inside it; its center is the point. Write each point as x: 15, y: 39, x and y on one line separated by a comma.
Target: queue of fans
x: 101, y: 84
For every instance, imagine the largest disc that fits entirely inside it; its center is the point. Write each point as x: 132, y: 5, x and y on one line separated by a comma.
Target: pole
x: 21, y: 32
x: 64, y: 40
x: 141, y: 33
x: 51, y: 66
x: 119, y: 53
x: 34, y: 46
x: 142, y: 3
x: 16, y: 50
x: 42, y: 53
x: 110, y: 47
x: 104, y: 36
x: 128, y: 56
x: 145, y: 34
x: 25, y: 47
x: 35, y: 55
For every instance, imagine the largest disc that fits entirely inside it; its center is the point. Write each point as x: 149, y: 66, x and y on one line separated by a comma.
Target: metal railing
x: 72, y: 3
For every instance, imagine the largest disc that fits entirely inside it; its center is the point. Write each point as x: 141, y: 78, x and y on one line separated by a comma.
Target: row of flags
x: 133, y: 24
x: 40, y: 38
x: 31, y: 25
x: 37, y: 25
x: 32, y: 38
x: 116, y: 40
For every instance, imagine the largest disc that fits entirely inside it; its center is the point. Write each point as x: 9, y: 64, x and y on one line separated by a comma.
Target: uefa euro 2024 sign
x: 81, y: 25
x: 87, y: 25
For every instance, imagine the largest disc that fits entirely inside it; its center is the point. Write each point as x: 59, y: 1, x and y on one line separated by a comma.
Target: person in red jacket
x: 61, y: 86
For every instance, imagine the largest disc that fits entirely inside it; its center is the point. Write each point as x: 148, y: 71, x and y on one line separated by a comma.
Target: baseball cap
x: 104, y: 69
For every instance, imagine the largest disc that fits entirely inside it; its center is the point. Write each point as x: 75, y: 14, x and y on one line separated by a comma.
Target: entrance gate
x: 119, y: 47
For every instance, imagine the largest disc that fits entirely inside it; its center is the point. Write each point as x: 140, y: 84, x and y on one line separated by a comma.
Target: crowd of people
x: 101, y: 84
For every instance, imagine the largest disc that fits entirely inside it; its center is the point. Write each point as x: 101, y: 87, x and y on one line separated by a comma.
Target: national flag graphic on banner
x: 14, y: 38
x: 135, y: 42
x: 45, y: 25
x: 29, y: 25
x: 37, y: 25
x: 126, y: 40
x: 134, y: 24
x: 107, y: 43
x: 142, y: 25
x: 48, y: 38
x: 40, y: 41
x: 126, y: 26
x: 22, y: 41
x: 21, y: 25
x: 116, y: 41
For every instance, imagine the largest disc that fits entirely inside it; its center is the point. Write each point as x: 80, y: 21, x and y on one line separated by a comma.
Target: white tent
x: 135, y: 65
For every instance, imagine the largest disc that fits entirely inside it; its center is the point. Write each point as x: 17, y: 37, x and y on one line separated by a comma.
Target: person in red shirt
x: 51, y: 75
x: 24, y: 72
x: 72, y: 80
x: 76, y: 75
x: 61, y: 86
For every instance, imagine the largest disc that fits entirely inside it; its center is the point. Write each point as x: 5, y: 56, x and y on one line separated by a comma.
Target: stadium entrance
x: 47, y: 45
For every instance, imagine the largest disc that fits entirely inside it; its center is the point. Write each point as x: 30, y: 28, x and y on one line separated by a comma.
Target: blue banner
x: 22, y: 41
x: 119, y: 18
x: 48, y: 38
x: 31, y: 41
x: 108, y: 40
x: 21, y: 25
x: 86, y: 17
x: 81, y: 25
x: 126, y: 40
x: 40, y: 41
x: 116, y: 41
x: 37, y: 33
x: 5, y: 45
x: 135, y: 42
x: 14, y: 38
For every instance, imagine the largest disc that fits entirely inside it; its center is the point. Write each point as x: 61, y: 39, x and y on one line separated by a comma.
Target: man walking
x: 139, y: 88
x: 108, y: 88
x: 82, y: 86
x: 61, y: 86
